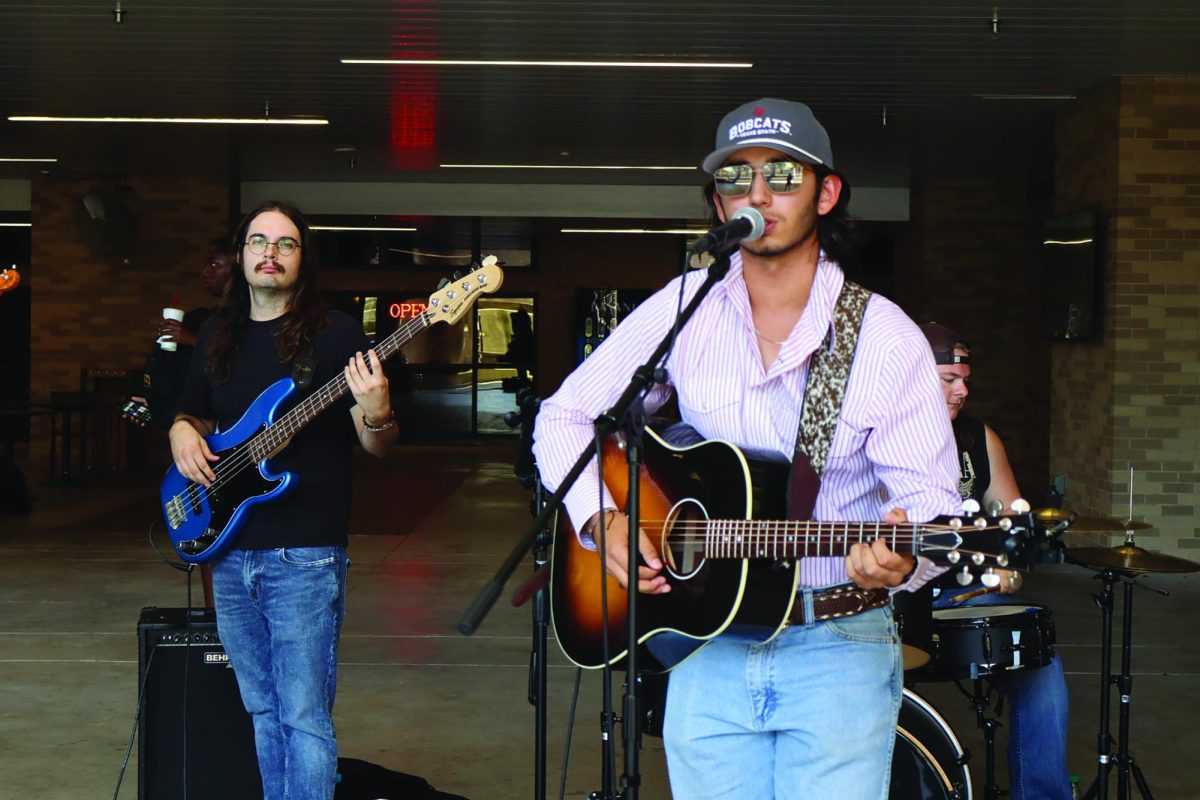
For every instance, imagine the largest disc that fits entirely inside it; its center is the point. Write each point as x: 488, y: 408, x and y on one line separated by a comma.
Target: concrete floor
x: 414, y: 694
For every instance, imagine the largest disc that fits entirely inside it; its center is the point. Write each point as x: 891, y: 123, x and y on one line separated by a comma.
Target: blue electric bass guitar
x: 204, y: 521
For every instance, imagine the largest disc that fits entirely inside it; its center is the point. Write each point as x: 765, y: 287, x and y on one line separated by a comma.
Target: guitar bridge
x: 176, y: 515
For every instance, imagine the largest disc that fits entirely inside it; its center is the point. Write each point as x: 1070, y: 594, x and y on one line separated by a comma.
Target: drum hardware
x: 1054, y: 519
x: 979, y: 699
x: 980, y: 643
x: 1121, y: 563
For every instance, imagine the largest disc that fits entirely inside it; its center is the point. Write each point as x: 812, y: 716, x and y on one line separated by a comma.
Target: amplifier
x: 192, y: 728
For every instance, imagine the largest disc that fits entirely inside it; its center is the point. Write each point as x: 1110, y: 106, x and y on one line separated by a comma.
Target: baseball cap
x: 943, y: 341
x: 779, y: 124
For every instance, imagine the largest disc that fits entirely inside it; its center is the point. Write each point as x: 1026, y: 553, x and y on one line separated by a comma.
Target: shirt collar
x: 813, y: 324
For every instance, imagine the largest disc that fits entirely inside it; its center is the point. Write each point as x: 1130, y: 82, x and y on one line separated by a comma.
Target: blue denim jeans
x: 279, y: 615
x: 810, y: 714
x: 1037, y: 718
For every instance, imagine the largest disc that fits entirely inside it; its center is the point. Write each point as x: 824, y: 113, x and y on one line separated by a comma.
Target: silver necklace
x: 767, y: 338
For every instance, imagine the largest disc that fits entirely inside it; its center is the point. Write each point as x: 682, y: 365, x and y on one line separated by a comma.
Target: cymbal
x: 1095, y: 524
x: 1105, y: 524
x: 1053, y: 516
x: 1129, y: 558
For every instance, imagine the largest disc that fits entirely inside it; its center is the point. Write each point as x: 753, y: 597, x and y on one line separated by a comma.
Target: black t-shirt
x: 974, y: 468
x: 316, y: 512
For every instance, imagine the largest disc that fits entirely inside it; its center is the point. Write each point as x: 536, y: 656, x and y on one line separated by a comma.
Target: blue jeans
x: 279, y: 615
x: 809, y: 714
x: 1037, y: 718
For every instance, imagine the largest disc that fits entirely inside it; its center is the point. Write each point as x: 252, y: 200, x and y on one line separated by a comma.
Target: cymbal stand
x: 1126, y: 764
x: 979, y: 699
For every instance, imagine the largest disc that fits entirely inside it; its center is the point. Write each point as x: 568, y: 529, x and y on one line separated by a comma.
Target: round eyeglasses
x: 258, y: 244
x: 781, y: 177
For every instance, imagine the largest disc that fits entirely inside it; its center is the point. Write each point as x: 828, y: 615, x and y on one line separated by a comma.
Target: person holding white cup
x: 171, y: 331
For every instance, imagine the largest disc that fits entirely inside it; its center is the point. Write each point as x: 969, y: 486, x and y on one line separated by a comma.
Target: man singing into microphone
x: 811, y: 713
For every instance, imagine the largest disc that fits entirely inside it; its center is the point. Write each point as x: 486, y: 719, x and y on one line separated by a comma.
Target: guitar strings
x: 789, y: 534
x: 242, y: 455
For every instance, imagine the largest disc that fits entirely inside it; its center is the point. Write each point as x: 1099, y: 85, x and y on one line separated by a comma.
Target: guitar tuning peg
x: 443, y: 283
x: 994, y: 508
x: 970, y: 506
x: 457, y: 276
x: 990, y: 579
x: 1021, y: 506
x: 964, y: 578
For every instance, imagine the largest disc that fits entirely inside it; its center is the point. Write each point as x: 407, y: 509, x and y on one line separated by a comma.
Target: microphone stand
x: 643, y: 378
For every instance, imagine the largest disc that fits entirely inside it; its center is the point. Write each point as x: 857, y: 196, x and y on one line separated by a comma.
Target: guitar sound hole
x: 683, y: 533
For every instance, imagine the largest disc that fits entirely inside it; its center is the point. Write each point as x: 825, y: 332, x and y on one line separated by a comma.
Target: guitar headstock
x: 452, y: 299
x: 976, y: 543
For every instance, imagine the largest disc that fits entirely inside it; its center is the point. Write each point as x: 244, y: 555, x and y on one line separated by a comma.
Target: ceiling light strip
x: 358, y: 228
x: 677, y: 231
x: 183, y: 120
x: 560, y: 166
x: 16, y: 224
x: 457, y: 62
x: 28, y: 160
x: 1026, y: 96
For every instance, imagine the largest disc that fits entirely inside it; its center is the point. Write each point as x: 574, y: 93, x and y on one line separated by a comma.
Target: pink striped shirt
x: 893, y: 446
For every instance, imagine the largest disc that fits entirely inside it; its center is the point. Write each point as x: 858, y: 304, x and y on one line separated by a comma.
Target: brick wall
x: 1133, y: 149
x: 1083, y: 372
x: 99, y: 311
x: 965, y: 261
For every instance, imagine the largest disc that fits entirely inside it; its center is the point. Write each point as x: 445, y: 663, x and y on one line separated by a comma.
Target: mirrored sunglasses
x: 781, y: 177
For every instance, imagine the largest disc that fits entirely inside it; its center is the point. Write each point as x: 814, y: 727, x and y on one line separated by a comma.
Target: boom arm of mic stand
x: 487, y: 596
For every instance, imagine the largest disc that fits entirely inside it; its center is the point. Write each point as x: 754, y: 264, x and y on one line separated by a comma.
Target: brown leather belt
x: 840, y: 601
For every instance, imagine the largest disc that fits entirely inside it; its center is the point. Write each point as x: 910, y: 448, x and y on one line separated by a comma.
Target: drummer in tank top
x: 1037, y: 740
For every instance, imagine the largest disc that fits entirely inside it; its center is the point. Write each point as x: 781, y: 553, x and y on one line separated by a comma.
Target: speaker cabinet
x: 192, y: 728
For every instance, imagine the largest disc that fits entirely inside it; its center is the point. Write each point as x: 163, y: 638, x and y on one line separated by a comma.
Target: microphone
x: 746, y: 226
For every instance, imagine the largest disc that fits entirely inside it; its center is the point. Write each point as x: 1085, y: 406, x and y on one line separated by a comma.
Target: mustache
x: 265, y: 262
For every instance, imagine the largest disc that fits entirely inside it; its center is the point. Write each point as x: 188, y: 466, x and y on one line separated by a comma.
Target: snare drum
x: 928, y: 763
x: 973, y: 641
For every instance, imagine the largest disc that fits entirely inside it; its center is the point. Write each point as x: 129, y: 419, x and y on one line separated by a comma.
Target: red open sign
x: 406, y: 310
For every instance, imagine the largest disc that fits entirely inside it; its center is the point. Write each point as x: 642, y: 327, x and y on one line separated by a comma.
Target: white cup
x: 175, y: 314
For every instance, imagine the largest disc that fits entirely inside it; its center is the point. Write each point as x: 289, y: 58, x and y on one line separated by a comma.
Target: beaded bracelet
x: 390, y: 423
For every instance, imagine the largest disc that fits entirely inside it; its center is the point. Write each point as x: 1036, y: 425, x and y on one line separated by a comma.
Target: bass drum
x: 928, y: 762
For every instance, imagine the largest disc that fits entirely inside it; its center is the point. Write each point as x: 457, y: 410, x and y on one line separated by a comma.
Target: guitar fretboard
x: 790, y: 539
x: 275, y: 435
